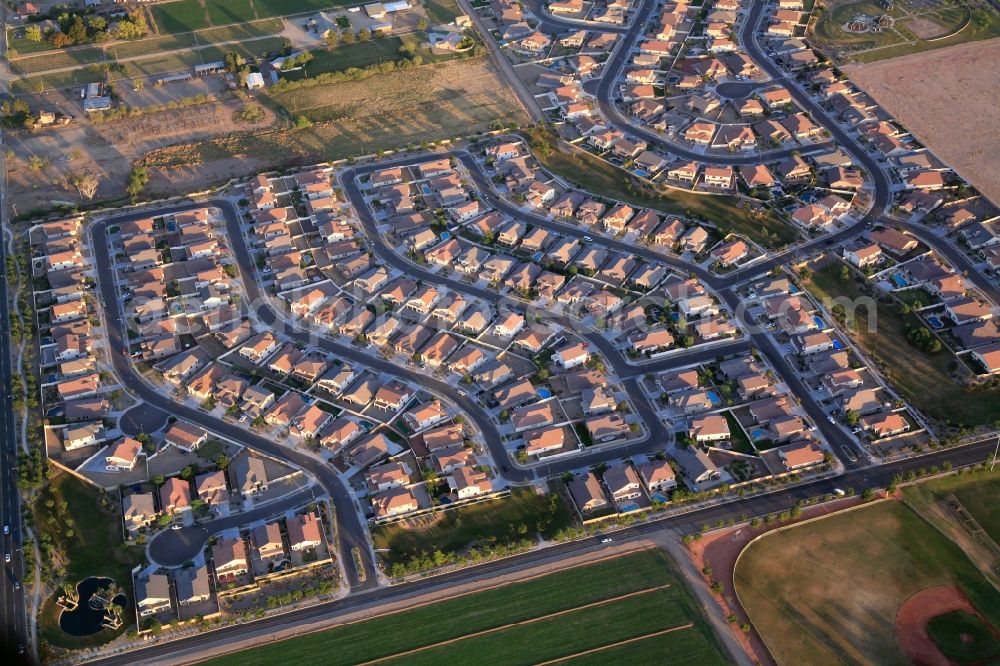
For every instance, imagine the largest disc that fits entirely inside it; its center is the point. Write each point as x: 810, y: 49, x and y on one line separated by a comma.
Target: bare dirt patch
x: 925, y: 28
x: 911, y: 622
x: 948, y: 99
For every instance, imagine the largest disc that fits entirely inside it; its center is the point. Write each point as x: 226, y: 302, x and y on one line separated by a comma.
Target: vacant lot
x: 921, y: 377
x: 635, y: 596
x: 387, y: 111
x: 828, y: 592
x: 522, y: 515
x: 959, y: 84
x: 596, y: 175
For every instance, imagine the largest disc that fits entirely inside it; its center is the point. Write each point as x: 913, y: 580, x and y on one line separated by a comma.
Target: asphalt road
x: 352, y: 532
x: 172, y: 548
x: 191, y: 647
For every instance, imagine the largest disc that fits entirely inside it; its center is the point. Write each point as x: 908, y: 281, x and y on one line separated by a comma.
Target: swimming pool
x: 935, y: 321
x: 657, y: 497
x: 631, y: 506
x: 544, y: 393
x: 642, y: 173
x: 758, y: 434
x: 899, y: 281
x: 714, y: 397
x: 819, y: 322
x: 537, y: 256
x: 426, y: 189
x: 446, y: 235
x: 838, y: 345
x: 676, y: 316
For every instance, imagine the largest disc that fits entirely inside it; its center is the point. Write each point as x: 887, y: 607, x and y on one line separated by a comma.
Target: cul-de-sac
x: 500, y: 331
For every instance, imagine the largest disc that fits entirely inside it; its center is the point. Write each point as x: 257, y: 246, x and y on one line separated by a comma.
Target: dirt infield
x: 947, y: 98
x: 925, y: 28
x: 917, y: 611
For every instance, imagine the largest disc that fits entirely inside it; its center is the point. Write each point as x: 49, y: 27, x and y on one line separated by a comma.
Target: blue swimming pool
x: 537, y: 256
x: 819, y: 322
x: 935, y: 321
x: 838, y: 345
x: 714, y: 397
x: 642, y: 173
x: 758, y: 434
x: 899, y: 281
x: 625, y: 508
x: 446, y: 235
x: 657, y: 497
x: 676, y: 316
x: 544, y: 393
x: 426, y: 189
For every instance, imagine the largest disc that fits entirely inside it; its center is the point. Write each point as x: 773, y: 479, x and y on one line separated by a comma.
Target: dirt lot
x: 108, y: 149
x: 958, y: 83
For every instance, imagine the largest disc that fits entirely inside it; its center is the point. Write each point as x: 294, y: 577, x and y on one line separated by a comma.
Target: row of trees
x: 75, y: 28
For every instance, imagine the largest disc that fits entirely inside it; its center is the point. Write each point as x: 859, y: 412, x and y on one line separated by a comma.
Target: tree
x: 364, y: 35
x: 347, y: 36
x: 77, y: 31
x: 159, y: 480
x: 234, y: 61
x: 422, y: 24
x: 33, y: 33
x: 851, y: 417
x: 137, y: 180
x: 332, y: 39
x: 86, y: 184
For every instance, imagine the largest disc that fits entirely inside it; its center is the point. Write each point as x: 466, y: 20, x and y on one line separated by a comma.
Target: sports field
x: 828, y: 592
x: 923, y: 378
x: 977, y: 493
x: 637, y: 598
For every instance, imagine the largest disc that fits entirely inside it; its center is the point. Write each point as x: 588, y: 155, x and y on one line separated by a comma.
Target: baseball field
x: 861, y: 586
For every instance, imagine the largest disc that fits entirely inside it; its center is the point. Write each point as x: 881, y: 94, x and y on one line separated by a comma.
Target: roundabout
x: 738, y: 90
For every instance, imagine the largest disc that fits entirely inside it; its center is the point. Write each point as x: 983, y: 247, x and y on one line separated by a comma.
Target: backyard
x: 597, y: 606
x: 828, y: 592
x: 923, y: 378
x: 522, y: 515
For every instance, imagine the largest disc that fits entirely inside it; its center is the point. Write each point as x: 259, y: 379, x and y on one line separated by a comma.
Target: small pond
x: 86, y: 619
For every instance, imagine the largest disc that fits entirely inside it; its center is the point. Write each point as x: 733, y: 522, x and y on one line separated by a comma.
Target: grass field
x: 538, y: 638
x: 187, y: 15
x: 828, y: 592
x: 427, y: 103
x: 87, y: 540
x: 497, y: 520
x: 964, y: 638
x: 922, y: 378
x: 441, y: 11
x: 984, y: 25
x: 57, y: 59
x: 977, y: 493
x: 596, y: 175
x: 363, y: 54
x: 828, y: 29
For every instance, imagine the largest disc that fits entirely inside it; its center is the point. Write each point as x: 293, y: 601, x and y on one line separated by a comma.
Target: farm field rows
x: 828, y: 592
x: 921, y: 377
x: 556, y: 615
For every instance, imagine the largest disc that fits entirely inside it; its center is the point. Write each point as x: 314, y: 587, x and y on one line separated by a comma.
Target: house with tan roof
x: 800, y: 456
x: 394, y: 502
x: 138, y: 511
x: 122, y: 455
x: 304, y: 531
x: 588, y: 494
x: 658, y: 476
x: 229, y: 557
x: 175, y: 495
x: 468, y: 482
x: 185, y: 436
x: 212, y: 488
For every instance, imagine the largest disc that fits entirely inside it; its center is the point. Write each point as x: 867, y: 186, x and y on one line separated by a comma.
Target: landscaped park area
x: 876, y: 584
x: 870, y: 30
x: 628, y: 609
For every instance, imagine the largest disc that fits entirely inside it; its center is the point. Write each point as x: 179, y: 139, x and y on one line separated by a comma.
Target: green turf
x: 564, y: 590
x: 187, y: 15
x: 964, y: 638
x: 922, y: 378
x: 686, y: 647
x: 976, y: 492
x: 441, y: 11
x: 596, y: 175
x: 485, y: 522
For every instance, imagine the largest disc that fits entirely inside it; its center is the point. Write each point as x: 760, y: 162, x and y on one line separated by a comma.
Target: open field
x: 441, y: 11
x: 187, y: 15
x: 485, y: 522
x: 426, y: 103
x: 596, y: 175
x: 964, y: 638
x: 556, y: 615
x: 958, y: 83
x: 828, y: 592
x: 922, y: 378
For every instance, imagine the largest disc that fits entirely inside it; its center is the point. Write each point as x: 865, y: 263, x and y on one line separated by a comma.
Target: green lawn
x: 985, y: 24
x: 441, y: 11
x: 389, y: 635
x: 187, y: 15
x: 739, y: 439
x: 596, y: 175
x: 828, y: 592
x: 364, y: 54
x: 977, y: 493
x: 86, y: 540
x: 964, y: 638
x: 922, y: 378
x: 483, y: 523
